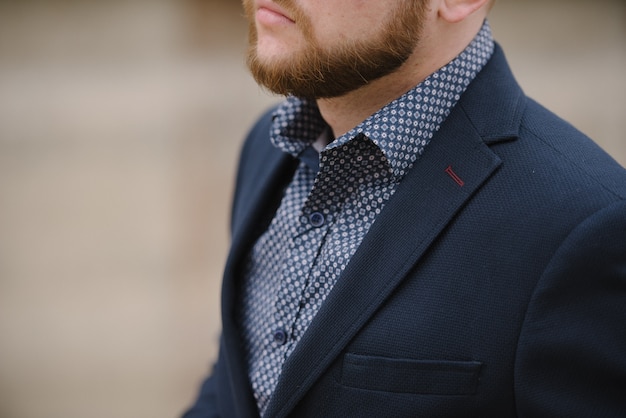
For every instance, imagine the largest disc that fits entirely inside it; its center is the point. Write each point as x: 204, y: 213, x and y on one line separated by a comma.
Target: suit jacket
x: 493, y: 283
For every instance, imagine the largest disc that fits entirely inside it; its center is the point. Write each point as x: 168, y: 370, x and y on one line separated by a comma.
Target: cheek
x: 330, y: 20
x: 345, y: 20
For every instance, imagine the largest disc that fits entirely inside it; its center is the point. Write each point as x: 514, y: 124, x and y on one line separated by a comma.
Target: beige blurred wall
x: 120, y: 122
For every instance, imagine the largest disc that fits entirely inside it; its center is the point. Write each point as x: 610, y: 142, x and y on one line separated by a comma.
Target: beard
x: 318, y: 72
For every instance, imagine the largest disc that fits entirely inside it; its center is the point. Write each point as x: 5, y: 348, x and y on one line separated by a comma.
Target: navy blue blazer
x: 493, y: 284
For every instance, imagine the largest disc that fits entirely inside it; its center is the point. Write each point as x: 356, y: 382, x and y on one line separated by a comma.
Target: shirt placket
x: 314, y: 223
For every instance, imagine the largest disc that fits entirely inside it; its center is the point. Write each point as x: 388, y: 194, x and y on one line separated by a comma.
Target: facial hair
x: 318, y: 71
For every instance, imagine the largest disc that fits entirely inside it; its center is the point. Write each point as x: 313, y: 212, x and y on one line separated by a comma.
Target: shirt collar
x: 402, y: 128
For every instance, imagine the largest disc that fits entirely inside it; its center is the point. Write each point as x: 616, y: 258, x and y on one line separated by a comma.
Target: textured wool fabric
x: 327, y: 210
x: 499, y: 261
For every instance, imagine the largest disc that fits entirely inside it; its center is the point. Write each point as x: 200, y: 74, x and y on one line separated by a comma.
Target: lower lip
x: 270, y: 17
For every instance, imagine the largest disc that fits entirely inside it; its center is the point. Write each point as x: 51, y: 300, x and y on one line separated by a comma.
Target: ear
x: 454, y: 11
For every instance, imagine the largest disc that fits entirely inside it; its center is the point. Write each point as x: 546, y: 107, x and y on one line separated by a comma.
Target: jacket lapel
x: 267, y: 171
x: 454, y: 166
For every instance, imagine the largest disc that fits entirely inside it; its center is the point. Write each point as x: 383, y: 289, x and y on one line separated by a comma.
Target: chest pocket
x: 429, y: 377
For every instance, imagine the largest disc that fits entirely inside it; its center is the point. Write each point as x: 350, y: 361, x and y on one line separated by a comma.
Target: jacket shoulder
x: 574, y: 155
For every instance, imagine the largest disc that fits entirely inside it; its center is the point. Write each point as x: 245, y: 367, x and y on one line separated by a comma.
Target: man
x: 412, y: 236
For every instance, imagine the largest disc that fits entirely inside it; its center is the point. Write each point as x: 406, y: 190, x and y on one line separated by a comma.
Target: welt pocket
x: 430, y: 377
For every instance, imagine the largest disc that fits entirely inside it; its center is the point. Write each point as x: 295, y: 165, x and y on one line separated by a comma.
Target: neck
x: 345, y: 112
x: 437, y: 47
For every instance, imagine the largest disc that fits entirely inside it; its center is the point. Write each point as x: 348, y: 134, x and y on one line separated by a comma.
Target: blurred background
x: 120, y: 123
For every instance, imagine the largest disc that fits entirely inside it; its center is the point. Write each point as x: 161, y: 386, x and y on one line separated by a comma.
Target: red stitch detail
x: 454, y: 176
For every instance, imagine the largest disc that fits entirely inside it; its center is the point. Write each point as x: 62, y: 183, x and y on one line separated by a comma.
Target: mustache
x: 287, y: 4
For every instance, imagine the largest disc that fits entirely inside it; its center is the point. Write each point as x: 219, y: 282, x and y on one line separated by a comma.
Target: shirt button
x: 316, y: 219
x: 280, y: 336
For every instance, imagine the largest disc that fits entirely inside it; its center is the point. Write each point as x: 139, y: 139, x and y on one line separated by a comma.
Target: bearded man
x: 412, y: 235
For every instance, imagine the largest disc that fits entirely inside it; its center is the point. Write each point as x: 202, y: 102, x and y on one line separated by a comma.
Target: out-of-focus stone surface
x: 120, y: 123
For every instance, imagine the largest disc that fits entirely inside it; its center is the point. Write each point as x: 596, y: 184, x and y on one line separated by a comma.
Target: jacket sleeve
x: 205, y: 405
x: 571, y: 358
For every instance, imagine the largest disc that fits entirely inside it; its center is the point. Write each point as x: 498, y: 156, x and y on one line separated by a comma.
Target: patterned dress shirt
x: 330, y: 204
